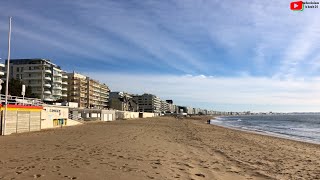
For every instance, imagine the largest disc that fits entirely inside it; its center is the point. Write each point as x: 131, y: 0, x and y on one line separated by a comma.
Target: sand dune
x: 155, y: 148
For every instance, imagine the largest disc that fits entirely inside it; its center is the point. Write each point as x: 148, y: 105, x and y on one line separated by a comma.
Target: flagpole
x: 7, y: 79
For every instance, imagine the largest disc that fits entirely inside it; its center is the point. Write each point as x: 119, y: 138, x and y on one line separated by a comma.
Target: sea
x: 301, y: 127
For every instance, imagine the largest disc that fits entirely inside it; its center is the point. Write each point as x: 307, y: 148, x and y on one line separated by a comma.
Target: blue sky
x: 222, y: 55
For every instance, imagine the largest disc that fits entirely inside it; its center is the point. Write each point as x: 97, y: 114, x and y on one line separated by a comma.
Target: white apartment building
x: 148, y: 103
x: 171, y: 106
x: 44, y: 77
x: 2, y: 70
x: 164, y: 106
x: 190, y: 110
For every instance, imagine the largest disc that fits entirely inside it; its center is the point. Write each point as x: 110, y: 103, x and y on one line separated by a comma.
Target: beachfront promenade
x: 154, y: 148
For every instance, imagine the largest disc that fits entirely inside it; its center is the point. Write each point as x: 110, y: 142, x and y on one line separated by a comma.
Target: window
x: 18, y: 76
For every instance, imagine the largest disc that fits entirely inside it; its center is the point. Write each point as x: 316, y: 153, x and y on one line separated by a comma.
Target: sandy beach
x: 155, y: 148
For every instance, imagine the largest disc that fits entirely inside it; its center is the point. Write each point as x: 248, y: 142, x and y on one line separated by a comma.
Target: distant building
x: 181, y: 109
x: 148, y: 103
x: 44, y: 77
x: 196, y: 110
x: 202, y: 111
x: 123, y: 101
x: 2, y: 70
x: 189, y: 110
x: 171, y: 106
x: 164, y: 106
x: 87, y: 92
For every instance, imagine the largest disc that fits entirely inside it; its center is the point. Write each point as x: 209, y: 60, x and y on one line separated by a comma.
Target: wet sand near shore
x: 155, y: 148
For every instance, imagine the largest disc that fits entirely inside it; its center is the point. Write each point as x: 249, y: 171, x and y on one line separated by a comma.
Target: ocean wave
x: 302, y: 128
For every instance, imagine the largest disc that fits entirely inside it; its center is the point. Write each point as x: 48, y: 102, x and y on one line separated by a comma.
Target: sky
x: 222, y: 55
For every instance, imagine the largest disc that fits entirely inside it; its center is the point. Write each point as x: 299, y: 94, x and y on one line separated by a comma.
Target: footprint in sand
x: 70, y: 177
x: 200, y: 175
x: 37, y: 176
x: 189, y: 166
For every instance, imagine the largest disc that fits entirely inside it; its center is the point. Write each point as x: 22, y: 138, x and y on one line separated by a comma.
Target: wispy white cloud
x: 144, y: 31
x: 302, y: 47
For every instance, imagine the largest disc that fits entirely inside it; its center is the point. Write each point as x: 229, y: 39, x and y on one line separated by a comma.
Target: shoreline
x: 267, y: 133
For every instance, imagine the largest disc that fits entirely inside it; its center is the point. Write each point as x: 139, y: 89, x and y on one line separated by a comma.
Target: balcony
x: 47, y: 85
x: 64, y: 82
x: 57, y: 87
x: 47, y: 71
x: 57, y: 94
x: 47, y: 78
x: 95, y: 85
x: 57, y: 81
x: 57, y: 75
x: 64, y: 95
x: 103, y: 87
x: 96, y: 90
x: 64, y: 89
x: 56, y: 69
x: 64, y: 76
x: 46, y: 92
x: 1, y: 73
x: 104, y: 92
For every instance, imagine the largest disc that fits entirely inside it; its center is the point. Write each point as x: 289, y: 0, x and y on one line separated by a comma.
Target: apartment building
x: 181, y: 109
x: 122, y: 101
x: 64, y: 85
x: 190, y: 110
x: 98, y: 94
x: 171, y: 106
x: 148, y: 103
x: 44, y: 77
x: 2, y: 70
x: 88, y: 93
x: 196, y: 110
x: 164, y: 106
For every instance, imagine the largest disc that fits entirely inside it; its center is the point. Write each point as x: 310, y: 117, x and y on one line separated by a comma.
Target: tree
x: 15, y: 88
